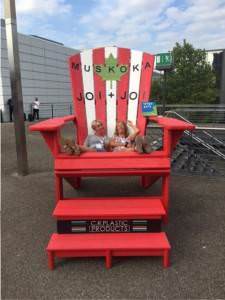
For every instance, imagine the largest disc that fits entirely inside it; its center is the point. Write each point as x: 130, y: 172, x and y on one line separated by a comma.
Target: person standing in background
x: 36, y: 105
x: 10, y: 104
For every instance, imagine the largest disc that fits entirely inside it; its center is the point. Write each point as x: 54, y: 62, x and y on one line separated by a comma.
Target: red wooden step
x: 106, y: 208
x: 108, y: 245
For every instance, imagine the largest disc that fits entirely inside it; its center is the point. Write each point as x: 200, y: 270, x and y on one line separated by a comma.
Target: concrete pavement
x: 195, y: 230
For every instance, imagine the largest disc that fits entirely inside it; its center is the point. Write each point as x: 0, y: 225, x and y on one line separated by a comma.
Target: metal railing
x: 196, y: 113
x: 200, y: 140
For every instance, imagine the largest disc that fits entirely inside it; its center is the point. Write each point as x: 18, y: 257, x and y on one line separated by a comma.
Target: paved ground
x: 196, y: 231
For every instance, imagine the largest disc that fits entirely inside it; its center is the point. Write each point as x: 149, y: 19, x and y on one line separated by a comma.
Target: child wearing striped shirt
x: 126, y: 141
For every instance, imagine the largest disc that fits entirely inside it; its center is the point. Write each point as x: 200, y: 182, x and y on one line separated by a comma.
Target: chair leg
x: 145, y: 181
x: 58, y: 187
x: 165, y: 219
x: 77, y: 182
x: 166, y: 262
x: 108, y: 260
x: 148, y: 180
x: 165, y: 194
x: 51, y: 260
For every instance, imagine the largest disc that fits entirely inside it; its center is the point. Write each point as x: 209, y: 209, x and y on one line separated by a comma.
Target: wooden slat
x: 145, y: 88
x: 77, y: 91
x: 123, y: 85
x: 134, y: 84
x: 51, y: 124
x: 111, y: 89
x: 104, y: 241
x: 88, y: 84
x: 113, y: 164
x: 115, y: 208
x: 100, y: 86
x: 172, y: 124
x: 118, y: 154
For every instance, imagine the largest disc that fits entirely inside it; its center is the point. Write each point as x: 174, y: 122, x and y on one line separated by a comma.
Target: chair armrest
x: 52, y: 124
x: 50, y: 130
x: 172, y: 124
x: 173, y: 130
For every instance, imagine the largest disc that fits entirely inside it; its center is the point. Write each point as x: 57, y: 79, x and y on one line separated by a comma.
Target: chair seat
x: 136, y: 165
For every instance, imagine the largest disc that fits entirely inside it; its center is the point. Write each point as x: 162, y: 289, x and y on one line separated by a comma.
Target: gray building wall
x: 44, y: 73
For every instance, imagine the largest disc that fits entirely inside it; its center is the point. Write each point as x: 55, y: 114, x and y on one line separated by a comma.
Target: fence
x: 46, y: 111
x: 194, y: 113
x: 198, y: 113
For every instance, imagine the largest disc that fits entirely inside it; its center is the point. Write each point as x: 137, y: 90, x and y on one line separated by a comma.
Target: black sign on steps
x: 108, y: 226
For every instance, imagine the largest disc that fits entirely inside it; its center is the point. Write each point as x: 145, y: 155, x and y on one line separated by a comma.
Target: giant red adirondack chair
x: 110, y: 84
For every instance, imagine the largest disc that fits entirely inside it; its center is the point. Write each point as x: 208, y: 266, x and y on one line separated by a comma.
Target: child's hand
x: 130, y: 123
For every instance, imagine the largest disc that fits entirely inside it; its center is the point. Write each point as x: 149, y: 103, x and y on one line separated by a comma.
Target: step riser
x: 108, y: 226
x: 111, y: 216
x: 99, y: 253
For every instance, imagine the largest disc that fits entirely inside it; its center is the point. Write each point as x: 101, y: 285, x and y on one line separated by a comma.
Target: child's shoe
x: 71, y: 148
x: 139, y: 144
x: 147, y: 145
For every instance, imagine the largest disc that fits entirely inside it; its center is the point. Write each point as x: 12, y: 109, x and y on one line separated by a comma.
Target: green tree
x: 192, y: 81
x: 156, y: 90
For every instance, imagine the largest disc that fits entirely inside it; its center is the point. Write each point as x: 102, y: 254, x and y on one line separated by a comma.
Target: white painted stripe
x: 111, y: 88
x: 134, y: 84
x: 88, y: 85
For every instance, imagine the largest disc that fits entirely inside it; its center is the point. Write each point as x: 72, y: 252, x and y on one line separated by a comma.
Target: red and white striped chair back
x: 109, y: 84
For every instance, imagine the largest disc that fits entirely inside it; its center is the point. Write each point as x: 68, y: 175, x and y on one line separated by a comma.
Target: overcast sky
x: 149, y: 25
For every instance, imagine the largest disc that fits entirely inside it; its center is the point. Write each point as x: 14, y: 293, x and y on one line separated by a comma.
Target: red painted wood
x: 107, y: 241
x: 165, y: 195
x: 115, y: 208
x: 123, y: 85
x: 172, y: 124
x: 150, y: 166
x: 145, y: 89
x: 51, y: 263
x: 108, y: 261
x: 52, y: 140
x: 112, y: 164
x: 51, y: 124
x: 79, y: 253
x: 112, y: 155
x: 109, y: 172
x: 167, y: 140
x: 77, y: 91
x: 166, y: 262
x: 58, y: 188
x: 94, y: 245
x: 176, y: 135
x: 100, y: 86
x: 147, y: 181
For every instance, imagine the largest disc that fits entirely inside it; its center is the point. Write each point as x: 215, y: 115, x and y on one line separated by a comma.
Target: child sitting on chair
x: 97, y: 142
x: 125, y: 141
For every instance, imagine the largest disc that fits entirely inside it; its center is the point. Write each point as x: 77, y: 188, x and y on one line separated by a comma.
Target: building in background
x: 44, y: 74
x: 217, y: 59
